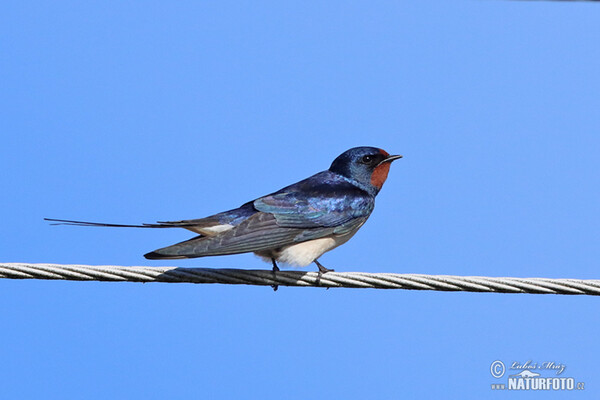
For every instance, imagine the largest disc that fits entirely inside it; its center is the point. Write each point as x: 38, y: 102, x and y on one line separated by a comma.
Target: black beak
x: 390, y: 159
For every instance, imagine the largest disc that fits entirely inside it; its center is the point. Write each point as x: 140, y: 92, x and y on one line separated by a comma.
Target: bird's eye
x: 367, y: 159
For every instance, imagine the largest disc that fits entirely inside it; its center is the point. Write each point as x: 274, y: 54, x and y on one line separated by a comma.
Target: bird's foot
x: 322, y: 269
x: 275, y: 269
x: 275, y: 266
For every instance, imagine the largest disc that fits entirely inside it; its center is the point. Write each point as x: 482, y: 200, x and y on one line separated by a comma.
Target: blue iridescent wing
x: 320, y: 206
x: 317, y: 202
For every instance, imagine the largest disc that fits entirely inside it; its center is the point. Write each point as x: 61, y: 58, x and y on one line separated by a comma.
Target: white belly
x: 302, y: 254
x: 305, y: 253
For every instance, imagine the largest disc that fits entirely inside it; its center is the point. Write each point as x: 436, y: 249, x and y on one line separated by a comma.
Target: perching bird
x: 295, y: 225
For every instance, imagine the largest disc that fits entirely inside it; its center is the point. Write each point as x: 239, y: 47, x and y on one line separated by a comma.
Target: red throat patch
x: 380, y: 174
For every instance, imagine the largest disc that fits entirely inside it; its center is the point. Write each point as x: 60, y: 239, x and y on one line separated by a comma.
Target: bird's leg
x: 322, y: 269
x: 275, y: 269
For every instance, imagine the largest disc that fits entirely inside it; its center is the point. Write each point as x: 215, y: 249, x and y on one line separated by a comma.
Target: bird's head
x: 366, y: 166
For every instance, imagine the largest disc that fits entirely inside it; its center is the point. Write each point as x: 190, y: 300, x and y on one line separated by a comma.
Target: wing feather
x: 258, y: 233
x: 293, y: 211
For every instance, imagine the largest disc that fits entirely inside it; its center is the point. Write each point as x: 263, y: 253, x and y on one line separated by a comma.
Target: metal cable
x: 300, y: 278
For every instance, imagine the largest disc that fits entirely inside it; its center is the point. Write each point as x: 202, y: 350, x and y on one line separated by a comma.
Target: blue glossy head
x: 368, y: 167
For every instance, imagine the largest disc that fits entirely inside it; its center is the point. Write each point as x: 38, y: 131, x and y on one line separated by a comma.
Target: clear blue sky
x: 141, y: 111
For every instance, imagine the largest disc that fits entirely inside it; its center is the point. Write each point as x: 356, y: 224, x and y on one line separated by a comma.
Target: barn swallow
x: 294, y: 225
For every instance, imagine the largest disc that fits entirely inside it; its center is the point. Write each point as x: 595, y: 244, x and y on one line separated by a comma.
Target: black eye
x: 367, y: 159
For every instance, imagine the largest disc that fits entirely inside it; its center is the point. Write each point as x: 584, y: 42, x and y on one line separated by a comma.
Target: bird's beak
x: 390, y: 159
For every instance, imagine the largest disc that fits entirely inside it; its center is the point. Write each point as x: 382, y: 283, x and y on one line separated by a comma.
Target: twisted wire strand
x: 110, y: 273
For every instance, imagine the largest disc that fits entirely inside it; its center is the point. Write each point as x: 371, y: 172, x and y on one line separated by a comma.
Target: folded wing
x: 281, y: 219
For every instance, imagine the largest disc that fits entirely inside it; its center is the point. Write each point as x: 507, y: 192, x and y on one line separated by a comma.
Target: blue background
x: 141, y: 111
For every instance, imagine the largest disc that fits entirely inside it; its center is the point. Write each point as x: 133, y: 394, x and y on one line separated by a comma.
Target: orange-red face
x: 367, y: 166
x: 380, y: 173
